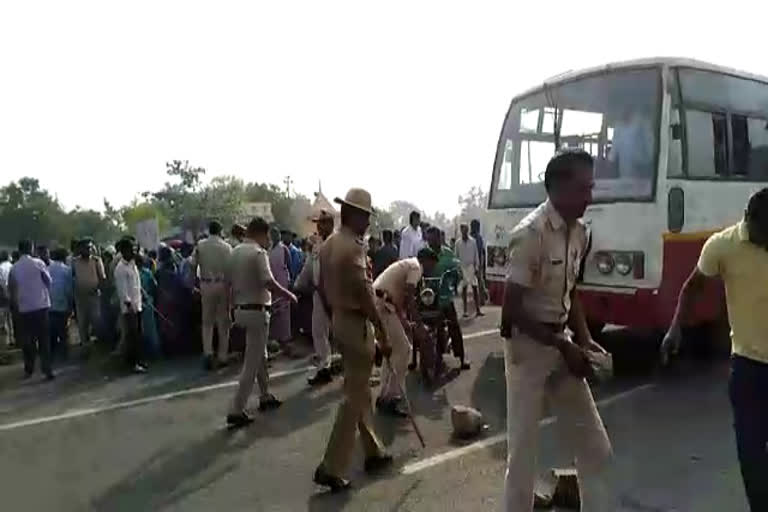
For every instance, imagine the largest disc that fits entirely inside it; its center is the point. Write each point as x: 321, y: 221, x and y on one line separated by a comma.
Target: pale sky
x: 404, y: 98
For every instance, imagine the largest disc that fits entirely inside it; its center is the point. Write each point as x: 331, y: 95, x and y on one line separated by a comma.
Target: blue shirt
x: 62, y: 287
x: 31, y: 281
x: 297, y: 261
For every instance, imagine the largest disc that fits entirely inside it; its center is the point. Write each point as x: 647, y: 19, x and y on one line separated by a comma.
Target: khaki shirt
x: 396, y: 277
x: 212, y: 256
x: 343, y: 263
x: 545, y: 258
x: 89, y: 272
x: 250, y: 272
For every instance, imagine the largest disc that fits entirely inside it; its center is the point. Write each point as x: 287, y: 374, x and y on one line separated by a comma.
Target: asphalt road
x: 157, y: 442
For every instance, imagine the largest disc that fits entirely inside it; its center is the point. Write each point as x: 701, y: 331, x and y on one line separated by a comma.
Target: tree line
x: 187, y: 202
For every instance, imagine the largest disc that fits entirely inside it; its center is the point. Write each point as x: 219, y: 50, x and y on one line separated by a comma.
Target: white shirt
x: 128, y: 286
x: 411, y: 242
x: 5, y: 271
x: 466, y: 251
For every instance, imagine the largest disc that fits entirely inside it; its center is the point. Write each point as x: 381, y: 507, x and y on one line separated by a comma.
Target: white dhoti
x: 468, y: 277
x: 320, y: 332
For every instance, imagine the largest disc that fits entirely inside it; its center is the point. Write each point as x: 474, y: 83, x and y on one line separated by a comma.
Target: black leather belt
x: 253, y: 307
x: 556, y: 328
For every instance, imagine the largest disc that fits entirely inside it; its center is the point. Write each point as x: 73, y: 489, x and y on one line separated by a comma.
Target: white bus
x: 679, y: 146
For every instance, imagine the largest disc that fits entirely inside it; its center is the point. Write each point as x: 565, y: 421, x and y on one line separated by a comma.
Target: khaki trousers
x: 215, y: 300
x: 401, y: 351
x: 535, y: 372
x: 354, y: 335
x: 88, y: 307
x: 256, y: 324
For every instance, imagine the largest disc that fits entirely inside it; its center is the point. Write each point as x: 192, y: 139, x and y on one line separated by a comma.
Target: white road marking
x: 435, y: 460
x: 89, y: 411
x: 480, y: 334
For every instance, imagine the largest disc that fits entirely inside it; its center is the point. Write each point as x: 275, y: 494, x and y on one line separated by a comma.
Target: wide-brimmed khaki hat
x: 357, y: 198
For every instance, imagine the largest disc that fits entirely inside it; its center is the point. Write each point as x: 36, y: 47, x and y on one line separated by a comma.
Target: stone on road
x: 159, y: 442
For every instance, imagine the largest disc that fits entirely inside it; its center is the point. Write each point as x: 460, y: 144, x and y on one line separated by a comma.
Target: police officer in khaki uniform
x: 347, y: 293
x: 89, y: 276
x: 212, y: 257
x: 541, y: 359
x: 252, y: 288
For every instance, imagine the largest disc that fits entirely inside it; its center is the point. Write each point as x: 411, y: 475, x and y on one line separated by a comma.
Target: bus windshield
x: 613, y: 116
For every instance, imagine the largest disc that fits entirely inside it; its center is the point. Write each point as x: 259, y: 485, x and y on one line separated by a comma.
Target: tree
x: 29, y: 211
x: 271, y: 193
x: 180, y: 202
x: 140, y: 211
x: 400, y: 212
x: 380, y: 221
x: 440, y: 220
x: 90, y: 223
x: 473, y: 205
x: 222, y: 199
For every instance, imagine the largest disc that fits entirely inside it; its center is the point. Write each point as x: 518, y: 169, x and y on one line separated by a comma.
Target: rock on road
x: 158, y: 442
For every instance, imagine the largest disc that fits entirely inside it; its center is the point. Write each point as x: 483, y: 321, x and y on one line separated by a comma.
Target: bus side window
x: 707, y: 138
x: 750, y: 147
x: 675, y: 154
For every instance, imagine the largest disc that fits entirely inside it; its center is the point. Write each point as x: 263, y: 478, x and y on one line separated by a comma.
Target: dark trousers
x: 132, y: 336
x: 59, y: 332
x: 454, y: 329
x: 747, y: 388
x: 35, y: 338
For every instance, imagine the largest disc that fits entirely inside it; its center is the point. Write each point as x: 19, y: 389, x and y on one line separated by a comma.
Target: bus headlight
x: 604, y: 262
x: 623, y: 263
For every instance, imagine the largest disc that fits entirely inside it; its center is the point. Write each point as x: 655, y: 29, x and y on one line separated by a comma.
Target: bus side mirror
x: 676, y: 209
x: 677, y: 131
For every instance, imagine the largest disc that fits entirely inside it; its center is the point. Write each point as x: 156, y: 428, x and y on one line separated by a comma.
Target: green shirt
x: 446, y: 261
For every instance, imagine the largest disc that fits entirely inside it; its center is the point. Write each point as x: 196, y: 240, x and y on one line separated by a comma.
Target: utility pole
x: 288, y: 182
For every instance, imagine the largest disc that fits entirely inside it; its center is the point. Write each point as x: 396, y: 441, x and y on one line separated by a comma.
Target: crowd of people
x: 254, y: 293
x: 363, y: 294
x: 185, y: 293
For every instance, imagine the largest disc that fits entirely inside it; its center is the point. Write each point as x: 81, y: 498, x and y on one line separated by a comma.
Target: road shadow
x: 489, y: 394
x: 169, y: 476
x: 327, y: 501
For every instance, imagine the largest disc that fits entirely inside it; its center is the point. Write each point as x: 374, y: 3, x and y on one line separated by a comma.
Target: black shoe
x: 208, y: 363
x: 336, y: 483
x: 480, y: 313
x: 222, y: 363
x: 27, y: 375
x: 238, y: 420
x: 50, y: 376
x: 398, y: 410
x: 390, y: 407
x: 465, y: 365
x: 377, y: 463
x: 269, y: 402
x: 411, y: 366
x: 323, y: 376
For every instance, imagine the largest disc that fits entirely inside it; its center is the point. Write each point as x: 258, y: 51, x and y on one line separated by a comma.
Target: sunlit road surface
x: 158, y: 442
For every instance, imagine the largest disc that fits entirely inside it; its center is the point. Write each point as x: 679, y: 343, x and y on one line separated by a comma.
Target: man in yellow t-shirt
x: 739, y: 256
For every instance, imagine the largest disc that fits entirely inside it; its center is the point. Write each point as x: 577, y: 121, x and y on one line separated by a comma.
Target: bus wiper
x: 551, y: 103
